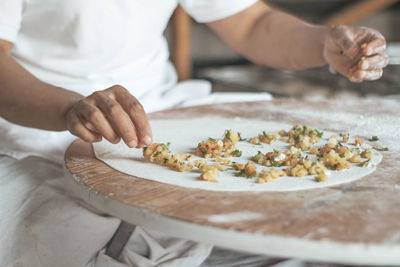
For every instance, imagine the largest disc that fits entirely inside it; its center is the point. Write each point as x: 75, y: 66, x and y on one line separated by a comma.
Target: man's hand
x: 356, y: 52
x: 113, y: 114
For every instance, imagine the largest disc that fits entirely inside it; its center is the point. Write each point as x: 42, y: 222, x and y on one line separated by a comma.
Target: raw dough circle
x: 185, y: 134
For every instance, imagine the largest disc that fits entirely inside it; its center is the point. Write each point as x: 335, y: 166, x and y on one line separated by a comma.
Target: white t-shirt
x: 89, y: 45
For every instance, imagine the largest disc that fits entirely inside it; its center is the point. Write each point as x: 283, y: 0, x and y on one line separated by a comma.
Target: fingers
x: 138, y: 116
x: 362, y: 54
x: 376, y: 46
x: 377, y: 61
x: 94, y: 120
x: 117, y: 117
x: 76, y: 127
x: 366, y: 75
x: 113, y: 114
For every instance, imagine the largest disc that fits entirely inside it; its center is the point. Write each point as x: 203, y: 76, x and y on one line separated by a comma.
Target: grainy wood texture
x: 364, y: 213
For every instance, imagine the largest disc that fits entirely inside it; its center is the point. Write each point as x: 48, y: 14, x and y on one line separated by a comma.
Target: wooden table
x: 354, y: 223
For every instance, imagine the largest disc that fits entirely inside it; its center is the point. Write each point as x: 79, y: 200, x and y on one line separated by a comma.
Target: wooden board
x: 355, y: 223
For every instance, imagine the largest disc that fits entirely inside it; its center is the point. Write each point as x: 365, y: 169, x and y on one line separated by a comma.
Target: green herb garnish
x: 318, y: 133
x: 204, y: 151
x: 212, y: 139
x: 240, y: 174
x: 228, y: 135
x: 166, y: 146
x: 274, y: 164
x: 240, y: 137
x: 374, y: 138
x: 156, y: 154
x: 318, y: 179
x: 381, y: 148
x: 364, y: 163
x: 236, y: 153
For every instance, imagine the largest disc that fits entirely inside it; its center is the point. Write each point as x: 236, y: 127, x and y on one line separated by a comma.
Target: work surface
x: 354, y: 223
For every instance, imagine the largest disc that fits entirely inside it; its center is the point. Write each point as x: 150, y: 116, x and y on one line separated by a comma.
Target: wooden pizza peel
x: 354, y: 223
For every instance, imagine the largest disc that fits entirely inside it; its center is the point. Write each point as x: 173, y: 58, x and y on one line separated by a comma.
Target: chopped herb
x: 274, y: 164
x: 276, y: 151
x: 228, y: 135
x: 234, y: 166
x: 264, y: 133
x: 338, y: 145
x: 199, y: 166
x: 212, y: 139
x: 156, y: 154
x: 204, y: 151
x: 236, y: 153
x: 259, y: 144
x: 381, y: 148
x: 240, y: 174
x: 318, y: 133
x: 166, y: 146
x: 240, y: 137
x: 329, y: 165
x: 176, y: 161
x: 318, y: 179
x: 364, y: 163
x: 341, y: 135
x: 374, y: 138
x: 145, y: 148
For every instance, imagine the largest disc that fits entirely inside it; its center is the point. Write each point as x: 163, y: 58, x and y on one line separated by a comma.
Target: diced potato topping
x: 300, y: 159
x: 366, y: 154
x: 332, y: 141
x: 254, y: 141
x: 359, y: 141
x: 212, y: 148
x: 160, y: 154
x: 209, y: 173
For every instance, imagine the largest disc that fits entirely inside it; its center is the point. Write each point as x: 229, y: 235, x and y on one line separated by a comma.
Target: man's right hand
x: 113, y: 114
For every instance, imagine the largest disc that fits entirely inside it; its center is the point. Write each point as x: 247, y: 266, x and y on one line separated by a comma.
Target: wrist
x: 323, y: 33
x: 71, y: 99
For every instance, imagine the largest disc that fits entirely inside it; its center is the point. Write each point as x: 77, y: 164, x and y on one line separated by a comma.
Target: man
x: 87, y: 67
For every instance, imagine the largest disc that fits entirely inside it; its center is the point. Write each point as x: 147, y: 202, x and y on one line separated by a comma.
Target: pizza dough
x: 185, y: 134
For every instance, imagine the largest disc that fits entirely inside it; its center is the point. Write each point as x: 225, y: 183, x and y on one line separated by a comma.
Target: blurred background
x: 198, y: 53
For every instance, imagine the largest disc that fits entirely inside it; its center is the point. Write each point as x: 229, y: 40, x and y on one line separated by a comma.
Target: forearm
x: 283, y: 41
x: 27, y: 101
x: 273, y: 38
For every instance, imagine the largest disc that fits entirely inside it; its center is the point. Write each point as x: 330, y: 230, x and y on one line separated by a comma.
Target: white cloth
x: 89, y: 45
x: 84, y: 46
x: 43, y: 225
